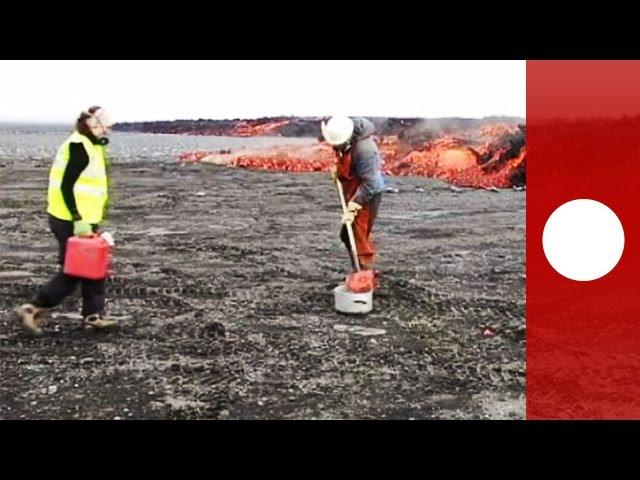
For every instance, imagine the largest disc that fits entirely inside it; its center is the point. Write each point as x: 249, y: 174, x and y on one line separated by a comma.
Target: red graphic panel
x: 583, y: 141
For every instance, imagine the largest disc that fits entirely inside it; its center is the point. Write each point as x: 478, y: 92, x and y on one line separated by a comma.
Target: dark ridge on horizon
x: 307, y: 126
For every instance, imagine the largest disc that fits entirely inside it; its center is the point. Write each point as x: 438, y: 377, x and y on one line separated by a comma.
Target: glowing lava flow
x: 497, y: 162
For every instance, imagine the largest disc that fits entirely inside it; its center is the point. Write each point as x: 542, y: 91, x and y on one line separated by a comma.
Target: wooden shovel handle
x: 352, y: 238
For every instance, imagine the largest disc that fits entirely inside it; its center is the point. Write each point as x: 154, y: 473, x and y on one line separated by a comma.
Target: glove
x: 334, y: 172
x: 82, y: 229
x: 352, y: 212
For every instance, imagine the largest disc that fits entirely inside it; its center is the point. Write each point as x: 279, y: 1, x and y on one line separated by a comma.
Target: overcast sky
x: 133, y: 90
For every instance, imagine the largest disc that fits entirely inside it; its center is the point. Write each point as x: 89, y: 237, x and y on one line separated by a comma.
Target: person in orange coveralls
x: 359, y: 169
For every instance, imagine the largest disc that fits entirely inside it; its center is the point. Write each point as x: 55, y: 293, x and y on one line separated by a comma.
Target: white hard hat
x: 105, y: 117
x: 99, y: 118
x: 337, y: 130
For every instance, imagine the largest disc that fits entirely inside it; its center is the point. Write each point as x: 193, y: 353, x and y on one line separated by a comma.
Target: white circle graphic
x: 583, y: 240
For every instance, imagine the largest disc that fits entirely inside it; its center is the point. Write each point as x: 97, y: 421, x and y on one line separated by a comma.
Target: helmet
x: 98, y: 121
x: 98, y: 117
x: 337, y: 130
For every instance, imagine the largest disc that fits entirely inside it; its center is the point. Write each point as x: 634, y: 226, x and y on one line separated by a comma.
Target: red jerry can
x: 87, y: 257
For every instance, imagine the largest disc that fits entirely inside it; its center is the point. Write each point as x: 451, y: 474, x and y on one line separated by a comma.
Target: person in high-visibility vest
x: 359, y: 169
x: 77, y: 200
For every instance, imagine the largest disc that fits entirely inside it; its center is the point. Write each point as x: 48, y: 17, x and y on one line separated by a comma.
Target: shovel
x: 361, y: 280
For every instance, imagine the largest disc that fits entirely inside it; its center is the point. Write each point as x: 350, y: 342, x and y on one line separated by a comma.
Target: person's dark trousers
x: 62, y: 285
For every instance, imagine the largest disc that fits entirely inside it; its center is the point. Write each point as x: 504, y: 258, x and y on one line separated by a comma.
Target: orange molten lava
x: 312, y: 158
x: 448, y: 158
x: 245, y: 129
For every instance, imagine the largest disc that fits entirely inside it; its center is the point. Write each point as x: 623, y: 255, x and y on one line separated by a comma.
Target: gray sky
x: 133, y: 90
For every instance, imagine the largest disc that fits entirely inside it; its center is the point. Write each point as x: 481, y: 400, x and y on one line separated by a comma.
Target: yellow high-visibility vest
x: 91, y: 188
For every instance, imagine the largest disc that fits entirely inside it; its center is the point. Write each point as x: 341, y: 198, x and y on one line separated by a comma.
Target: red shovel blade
x: 360, y: 282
